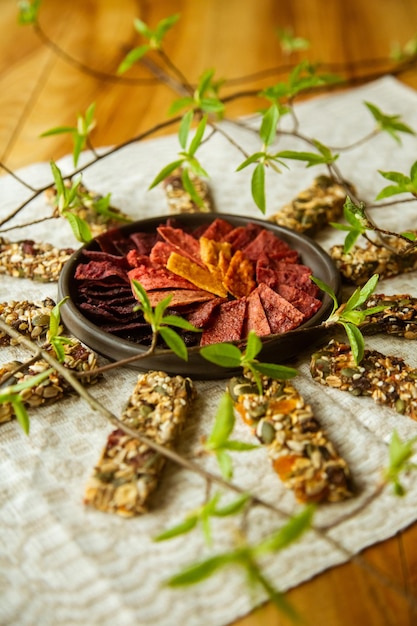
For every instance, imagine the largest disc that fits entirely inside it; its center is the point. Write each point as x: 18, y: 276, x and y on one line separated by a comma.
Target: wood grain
x: 40, y: 88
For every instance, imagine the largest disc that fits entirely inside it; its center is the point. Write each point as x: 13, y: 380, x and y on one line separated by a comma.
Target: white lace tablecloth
x: 62, y: 564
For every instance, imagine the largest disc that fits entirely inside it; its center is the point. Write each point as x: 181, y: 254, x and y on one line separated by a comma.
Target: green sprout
x: 349, y: 315
x: 12, y: 395
x: 400, y: 453
x: 187, y: 161
x: 219, y: 443
x: 154, y: 36
x: 161, y: 323
x: 80, y: 133
x: 202, y: 515
x: 230, y: 356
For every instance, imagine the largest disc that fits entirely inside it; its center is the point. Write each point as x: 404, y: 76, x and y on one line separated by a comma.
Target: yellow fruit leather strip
x: 195, y: 274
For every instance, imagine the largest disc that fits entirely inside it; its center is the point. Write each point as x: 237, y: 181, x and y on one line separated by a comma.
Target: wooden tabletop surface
x: 50, y: 74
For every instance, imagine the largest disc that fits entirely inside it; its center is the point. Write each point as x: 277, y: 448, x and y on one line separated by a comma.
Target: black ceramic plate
x: 276, y: 348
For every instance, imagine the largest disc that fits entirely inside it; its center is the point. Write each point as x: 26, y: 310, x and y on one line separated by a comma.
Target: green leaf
x: 200, y: 571
x: 181, y: 103
x: 254, y: 158
x: 258, y: 187
x: 389, y: 191
x: 289, y: 533
x: 58, y: 130
x: 180, y: 322
x: 58, y: 348
x: 253, y: 346
x: 223, y: 354
x: 190, y: 188
x: 79, y: 144
x: 142, y: 28
x: 269, y: 123
x: 223, y: 424
x: 59, y: 181
x: 28, y: 11
x: 79, y: 227
x: 199, y: 133
x: 233, y: 507
x: 327, y: 289
x: 174, y: 341
x: 166, y: 171
x: 132, y: 57
x: 356, y: 341
x: 21, y: 414
x: 180, y: 529
x: 165, y: 25
x: 360, y: 296
x: 212, y: 105
x: 278, y: 372
x: 184, y: 128
x: 351, y: 239
x: 225, y: 463
x: 289, y: 43
x: 140, y: 294
x: 238, y: 446
x: 400, y: 453
x: 391, y: 124
x: 395, y: 177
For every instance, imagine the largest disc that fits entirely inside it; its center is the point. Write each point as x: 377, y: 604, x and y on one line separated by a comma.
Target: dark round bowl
x: 276, y: 348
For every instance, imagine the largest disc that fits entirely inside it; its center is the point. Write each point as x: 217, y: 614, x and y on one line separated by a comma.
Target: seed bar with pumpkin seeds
x: 398, y: 318
x: 42, y: 262
x: 360, y: 264
x: 128, y: 471
x: 30, y: 319
x: 386, y: 379
x: 78, y: 358
x: 300, y: 450
x: 314, y: 207
x: 180, y: 201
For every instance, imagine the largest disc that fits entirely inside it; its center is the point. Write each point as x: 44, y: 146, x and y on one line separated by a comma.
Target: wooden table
x: 42, y: 86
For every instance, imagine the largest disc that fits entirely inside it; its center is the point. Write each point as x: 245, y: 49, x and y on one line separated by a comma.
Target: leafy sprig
x: 350, y: 315
x: 187, y: 161
x: 219, y: 442
x: 230, y: 356
x: 290, y: 43
x: 205, y: 98
x: 402, y: 183
x: 161, y: 323
x: 202, y: 516
x: 54, y: 336
x: 400, y: 454
x: 68, y: 201
x: 246, y: 557
x: 390, y: 124
x: 357, y: 223
x: 12, y: 395
x: 80, y: 133
x: 28, y: 11
x: 154, y: 39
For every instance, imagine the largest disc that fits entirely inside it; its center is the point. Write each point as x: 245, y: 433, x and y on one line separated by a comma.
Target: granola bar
x: 300, y: 451
x: 30, y: 319
x: 314, y: 207
x: 98, y: 219
x: 398, y: 318
x: 78, y: 358
x: 42, y: 262
x: 180, y: 201
x: 386, y: 379
x: 360, y: 264
x: 128, y: 471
